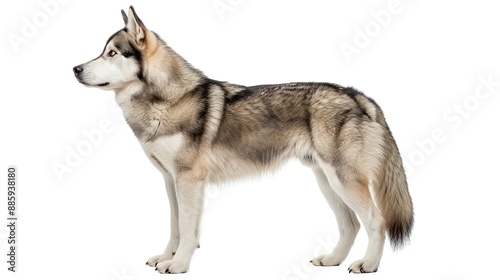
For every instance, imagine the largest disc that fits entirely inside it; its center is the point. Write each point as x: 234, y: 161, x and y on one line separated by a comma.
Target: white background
x: 107, y: 216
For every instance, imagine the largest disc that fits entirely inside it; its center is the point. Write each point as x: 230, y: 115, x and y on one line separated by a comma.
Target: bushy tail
x: 392, y: 195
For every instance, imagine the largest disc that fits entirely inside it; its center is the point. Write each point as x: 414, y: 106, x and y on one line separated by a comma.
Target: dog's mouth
x: 78, y: 70
x: 98, y: 85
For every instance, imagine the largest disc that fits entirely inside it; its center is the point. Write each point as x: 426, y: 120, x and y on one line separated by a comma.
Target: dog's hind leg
x: 348, y: 224
x: 353, y: 189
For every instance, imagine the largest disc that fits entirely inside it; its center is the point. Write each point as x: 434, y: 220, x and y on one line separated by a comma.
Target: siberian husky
x: 198, y: 131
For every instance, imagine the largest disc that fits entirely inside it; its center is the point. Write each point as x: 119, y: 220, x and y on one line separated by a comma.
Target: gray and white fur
x: 198, y: 131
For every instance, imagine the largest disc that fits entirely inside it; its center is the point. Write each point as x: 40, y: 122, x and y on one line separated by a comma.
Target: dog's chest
x: 164, y: 151
x: 149, y: 119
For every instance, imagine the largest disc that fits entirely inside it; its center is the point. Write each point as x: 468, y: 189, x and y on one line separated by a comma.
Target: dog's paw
x: 153, y: 261
x: 326, y: 260
x: 363, y: 266
x: 172, y: 266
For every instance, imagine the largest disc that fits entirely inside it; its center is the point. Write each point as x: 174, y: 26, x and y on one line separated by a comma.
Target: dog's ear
x: 125, y: 18
x: 135, y: 27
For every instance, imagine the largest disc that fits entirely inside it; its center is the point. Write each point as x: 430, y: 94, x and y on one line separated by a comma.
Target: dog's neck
x: 170, y: 74
x: 165, y: 74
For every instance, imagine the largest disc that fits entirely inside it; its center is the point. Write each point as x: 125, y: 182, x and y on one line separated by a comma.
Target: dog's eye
x: 112, y: 53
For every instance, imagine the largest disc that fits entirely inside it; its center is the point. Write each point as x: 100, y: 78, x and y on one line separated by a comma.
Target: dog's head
x: 120, y: 63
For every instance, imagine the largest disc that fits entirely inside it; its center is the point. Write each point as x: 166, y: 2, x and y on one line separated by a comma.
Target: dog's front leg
x: 173, y: 243
x: 189, y: 189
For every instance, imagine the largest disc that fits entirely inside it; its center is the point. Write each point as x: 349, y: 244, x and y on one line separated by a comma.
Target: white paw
x: 154, y: 260
x: 172, y: 266
x: 326, y: 260
x: 363, y: 266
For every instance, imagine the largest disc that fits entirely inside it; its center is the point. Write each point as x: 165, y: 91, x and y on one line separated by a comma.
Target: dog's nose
x: 77, y: 70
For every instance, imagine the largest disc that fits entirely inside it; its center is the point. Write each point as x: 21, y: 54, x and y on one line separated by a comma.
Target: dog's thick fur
x: 197, y: 131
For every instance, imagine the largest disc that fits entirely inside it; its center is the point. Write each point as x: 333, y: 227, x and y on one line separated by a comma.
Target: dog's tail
x: 391, y: 192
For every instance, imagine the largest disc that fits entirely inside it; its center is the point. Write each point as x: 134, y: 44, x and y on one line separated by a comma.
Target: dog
x: 199, y: 131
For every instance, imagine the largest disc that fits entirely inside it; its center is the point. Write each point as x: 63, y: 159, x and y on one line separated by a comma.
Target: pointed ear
x: 125, y: 18
x: 135, y: 27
